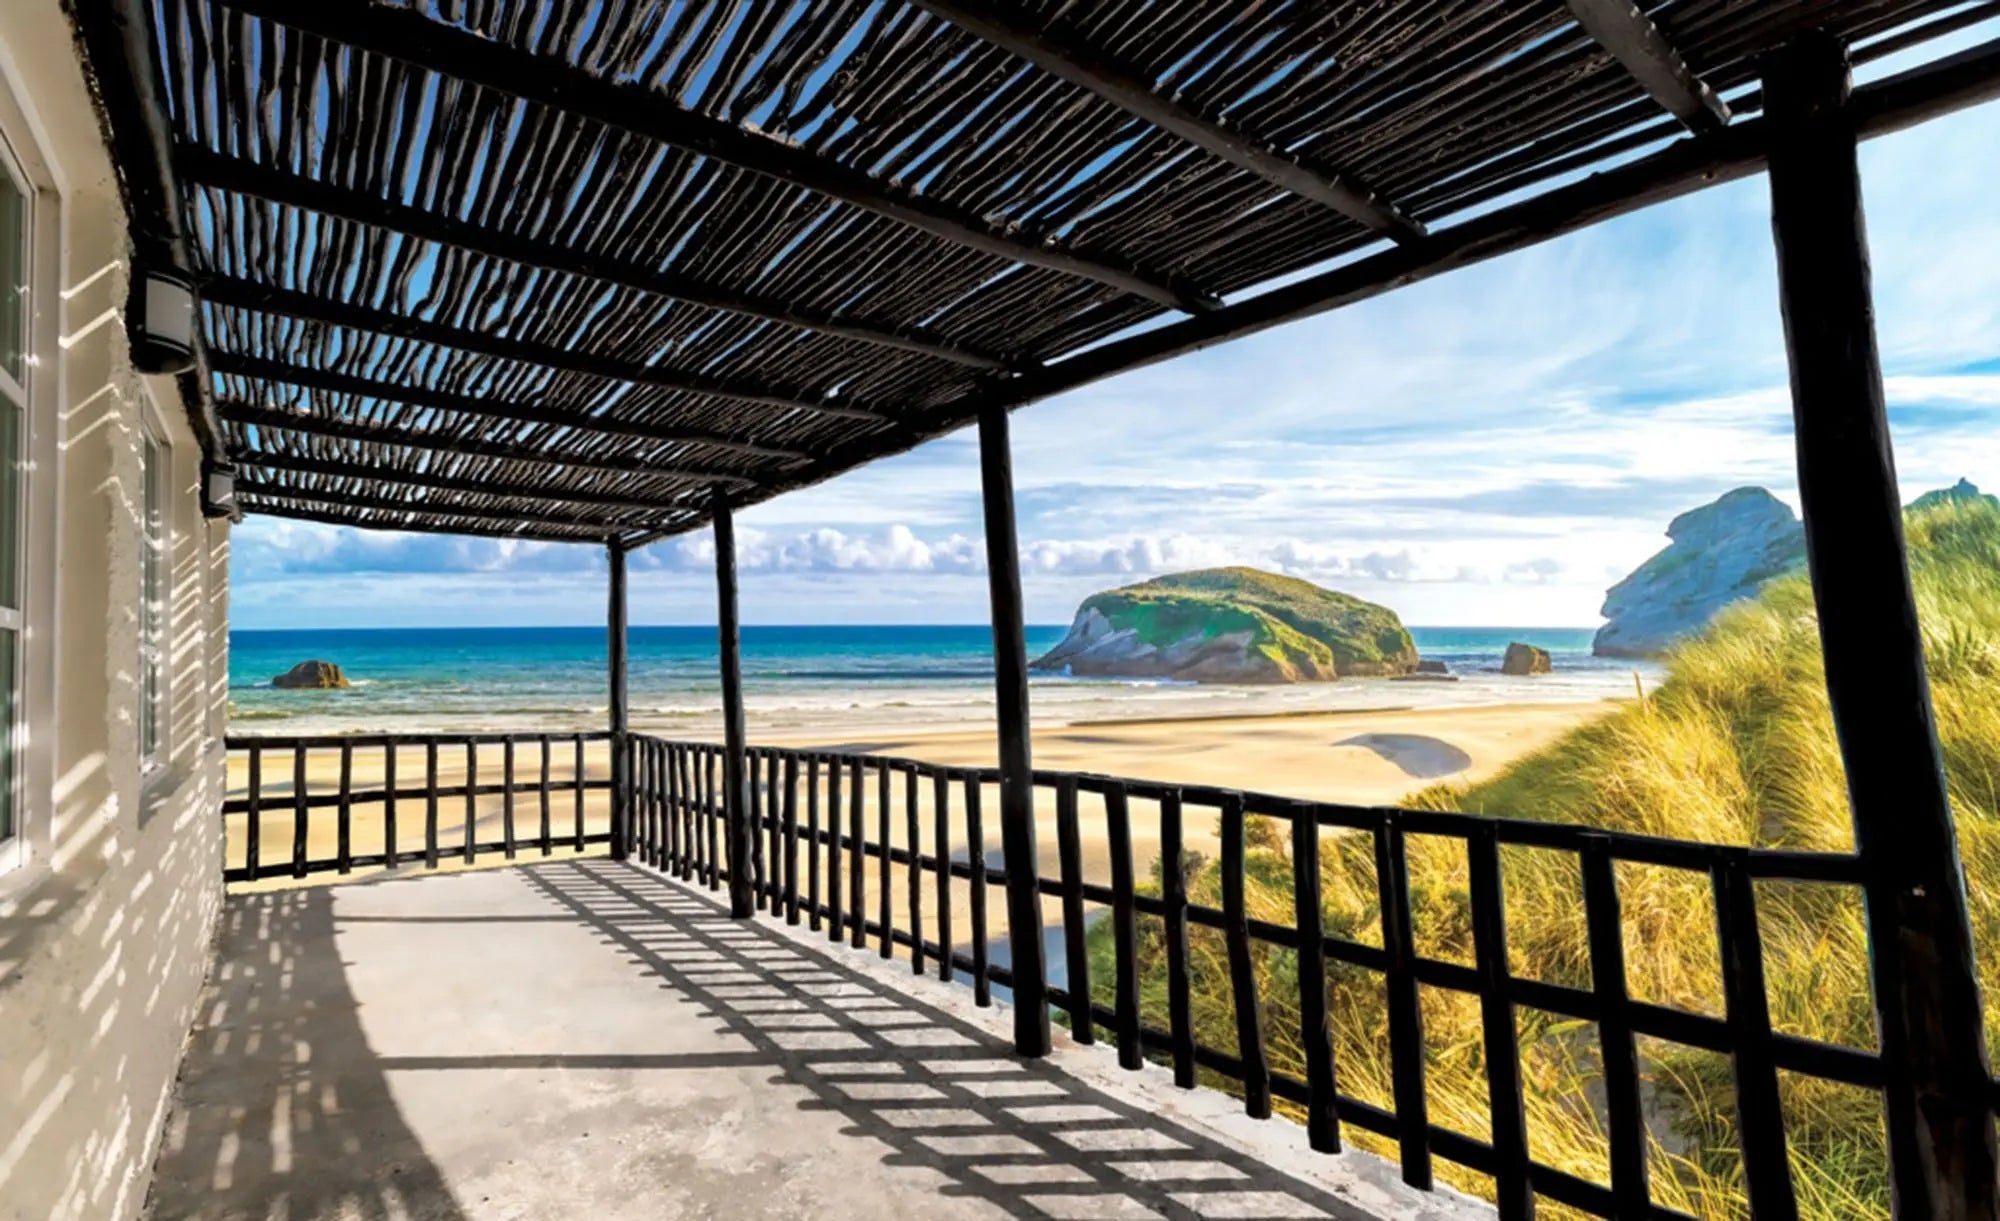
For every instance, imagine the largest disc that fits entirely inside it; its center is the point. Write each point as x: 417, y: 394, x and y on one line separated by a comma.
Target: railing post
x: 735, y: 783
x: 621, y: 766
x: 1937, y: 1085
x: 1017, y: 781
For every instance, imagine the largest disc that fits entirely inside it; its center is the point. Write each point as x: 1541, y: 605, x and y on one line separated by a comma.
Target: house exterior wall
x: 107, y: 915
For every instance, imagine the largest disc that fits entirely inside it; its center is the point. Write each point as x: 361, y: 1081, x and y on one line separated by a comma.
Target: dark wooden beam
x: 258, y: 369
x: 370, y: 472
x: 339, y: 516
x: 603, y: 522
x: 307, y: 307
x: 1631, y: 38
x: 1065, y: 55
x: 209, y: 168
x: 1929, y: 91
x: 1937, y: 1080
x: 735, y: 782
x: 1689, y: 165
x: 315, y: 424
x: 1026, y: 946
x: 621, y: 761
x: 411, y: 37
x: 1909, y: 36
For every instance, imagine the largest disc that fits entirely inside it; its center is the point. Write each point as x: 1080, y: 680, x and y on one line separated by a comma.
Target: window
x: 16, y: 218
x: 154, y: 459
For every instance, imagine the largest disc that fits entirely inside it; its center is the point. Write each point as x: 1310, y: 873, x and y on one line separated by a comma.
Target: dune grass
x: 1736, y: 746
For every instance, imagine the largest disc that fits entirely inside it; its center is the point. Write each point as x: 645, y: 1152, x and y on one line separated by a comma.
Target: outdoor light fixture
x: 160, y: 321
x: 218, y: 490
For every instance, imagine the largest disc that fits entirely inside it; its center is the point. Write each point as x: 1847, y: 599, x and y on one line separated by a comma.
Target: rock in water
x: 1721, y: 553
x: 1432, y: 667
x: 1231, y: 625
x: 312, y: 675
x: 1524, y: 659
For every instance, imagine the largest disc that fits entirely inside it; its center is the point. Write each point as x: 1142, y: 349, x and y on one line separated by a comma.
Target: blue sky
x: 1493, y: 447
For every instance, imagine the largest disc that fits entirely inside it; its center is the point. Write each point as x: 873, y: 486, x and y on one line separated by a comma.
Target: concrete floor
x: 589, y: 1039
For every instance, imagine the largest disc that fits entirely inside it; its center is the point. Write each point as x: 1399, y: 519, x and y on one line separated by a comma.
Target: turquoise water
x: 839, y: 678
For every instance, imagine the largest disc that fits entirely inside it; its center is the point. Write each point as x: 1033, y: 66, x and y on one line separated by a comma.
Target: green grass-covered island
x: 1231, y: 625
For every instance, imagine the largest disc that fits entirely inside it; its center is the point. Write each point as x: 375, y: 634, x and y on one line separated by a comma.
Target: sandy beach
x: 1371, y: 757
x: 1367, y: 757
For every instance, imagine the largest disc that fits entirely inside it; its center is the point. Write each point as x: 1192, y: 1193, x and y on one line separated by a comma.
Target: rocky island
x: 1231, y: 625
x: 312, y: 676
x: 1721, y: 553
x: 1521, y: 660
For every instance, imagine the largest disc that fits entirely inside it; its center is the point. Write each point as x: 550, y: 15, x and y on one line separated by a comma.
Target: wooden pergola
x: 604, y: 271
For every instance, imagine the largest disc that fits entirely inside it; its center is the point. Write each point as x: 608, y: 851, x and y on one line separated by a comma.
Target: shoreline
x: 834, y: 681
x: 784, y: 726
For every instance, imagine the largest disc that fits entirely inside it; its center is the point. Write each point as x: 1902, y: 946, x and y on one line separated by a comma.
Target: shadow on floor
x: 940, y: 1093
x: 282, y: 1109
x: 592, y: 1039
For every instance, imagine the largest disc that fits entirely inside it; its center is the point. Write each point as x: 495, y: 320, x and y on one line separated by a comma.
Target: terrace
x: 640, y: 1053
x: 600, y: 273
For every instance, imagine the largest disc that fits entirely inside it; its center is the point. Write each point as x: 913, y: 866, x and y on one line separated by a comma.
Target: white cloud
x: 894, y: 549
x: 1493, y: 446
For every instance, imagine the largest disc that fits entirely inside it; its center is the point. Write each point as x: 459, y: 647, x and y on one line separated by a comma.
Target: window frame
x: 156, y: 542
x: 17, y: 396
x: 29, y: 853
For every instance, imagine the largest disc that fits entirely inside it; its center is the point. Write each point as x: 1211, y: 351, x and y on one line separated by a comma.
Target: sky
x: 1493, y: 447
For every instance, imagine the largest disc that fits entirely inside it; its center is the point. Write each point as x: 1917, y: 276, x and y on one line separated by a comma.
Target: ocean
x: 805, y: 680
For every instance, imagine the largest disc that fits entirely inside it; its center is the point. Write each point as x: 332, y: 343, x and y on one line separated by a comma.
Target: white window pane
x: 13, y: 275
x: 8, y: 721
x: 150, y: 609
x: 10, y: 504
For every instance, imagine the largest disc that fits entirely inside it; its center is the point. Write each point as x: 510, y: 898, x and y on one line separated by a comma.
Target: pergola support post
x: 1027, y: 953
x: 1936, y: 1081
x: 735, y: 781
x: 621, y: 761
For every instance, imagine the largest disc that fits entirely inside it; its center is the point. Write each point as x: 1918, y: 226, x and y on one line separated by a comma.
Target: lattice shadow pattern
x: 940, y: 1092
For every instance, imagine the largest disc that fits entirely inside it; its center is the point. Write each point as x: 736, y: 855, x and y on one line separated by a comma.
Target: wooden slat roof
x: 569, y: 268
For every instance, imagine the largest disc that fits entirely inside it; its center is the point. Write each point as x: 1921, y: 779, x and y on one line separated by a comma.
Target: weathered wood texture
x: 621, y: 763
x: 1026, y: 951
x: 735, y: 778
x: 1937, y: 1078
x: 350, y: 798
x: 1632, y: 38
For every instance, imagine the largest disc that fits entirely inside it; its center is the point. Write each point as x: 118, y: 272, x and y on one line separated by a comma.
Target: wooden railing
x: 465, y: 792
x: 888, y: 854
x: 841, y: 846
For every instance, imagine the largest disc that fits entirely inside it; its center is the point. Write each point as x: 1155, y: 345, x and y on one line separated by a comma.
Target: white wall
x: 105, y: 930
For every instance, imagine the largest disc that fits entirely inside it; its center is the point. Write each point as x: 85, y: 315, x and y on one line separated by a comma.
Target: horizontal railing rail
x: 369, y: 781
x: 840, y: 846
